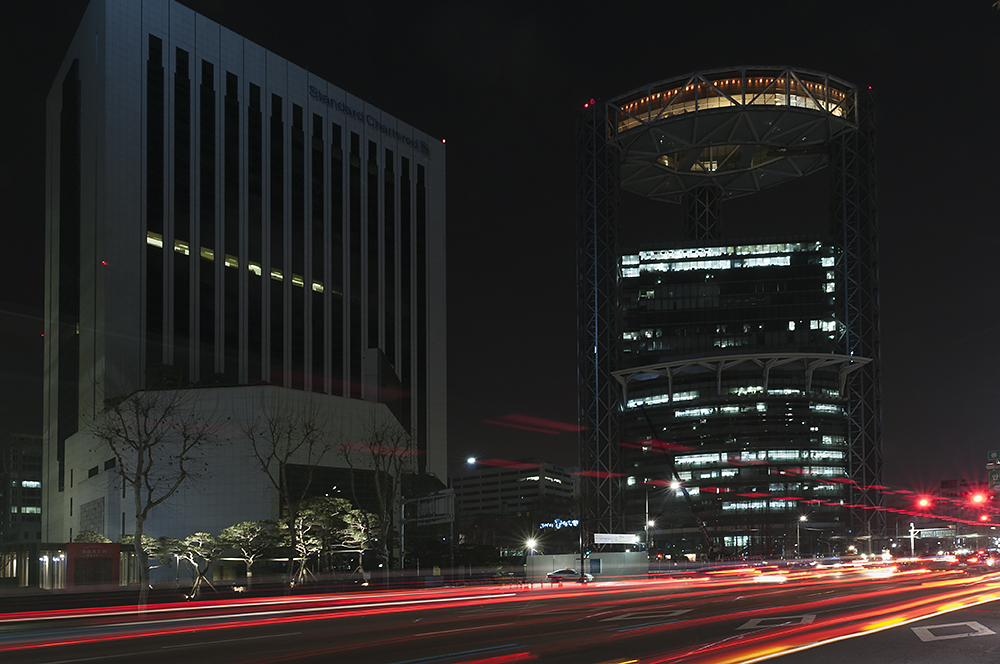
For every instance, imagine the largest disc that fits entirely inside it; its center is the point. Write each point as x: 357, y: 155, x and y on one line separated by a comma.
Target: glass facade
x: 734, y: 386
x: 701, y: 299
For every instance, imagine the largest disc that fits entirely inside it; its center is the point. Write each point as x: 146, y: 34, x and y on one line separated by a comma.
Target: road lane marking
x: 91, y: 659
x: 647, y: 615
x: 209, y: 643
x: 452, y: 655
x: 462, y: 629
x: 925, y: 634
x: 757, y: 623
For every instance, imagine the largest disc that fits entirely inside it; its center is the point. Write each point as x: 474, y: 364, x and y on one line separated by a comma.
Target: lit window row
x: 31, y: 484
x: 720, y: 410
x: 790, y: 455
x: 689, y: 253
x: 686, y: 266
x: 725, y: 93
x: 658, y: 399
x: 751, y: 505
x: 698, y: 459
x: 25, y: 510
x: 156, y: 240
x: 761, y: 455
x: 689, y: 395
x: 831, y: 471
x: 824, y: 325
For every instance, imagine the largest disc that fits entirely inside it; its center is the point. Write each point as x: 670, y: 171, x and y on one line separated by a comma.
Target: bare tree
x: 282, y: 436
x: 159, y: 441
x: 387, y: 452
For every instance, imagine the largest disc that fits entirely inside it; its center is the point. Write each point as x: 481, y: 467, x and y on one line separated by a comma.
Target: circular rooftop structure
x: 738, y: 129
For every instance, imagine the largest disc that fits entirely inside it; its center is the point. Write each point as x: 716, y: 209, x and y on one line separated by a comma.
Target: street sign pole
x: 993, y: 467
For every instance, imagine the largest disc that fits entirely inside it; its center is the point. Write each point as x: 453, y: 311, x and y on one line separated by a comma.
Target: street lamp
x: 798, y: 535
x: 531, y: 543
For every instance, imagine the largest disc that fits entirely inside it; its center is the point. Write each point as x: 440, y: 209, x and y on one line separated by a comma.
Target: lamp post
x: 798, y: 535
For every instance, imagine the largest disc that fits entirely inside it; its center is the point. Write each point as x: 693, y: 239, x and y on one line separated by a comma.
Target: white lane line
x: 772, y: 621
x: 143, y: 652
x: 91, y: 659
x: 209, y: 643
x: 647, y: 615
x: 463, y: 629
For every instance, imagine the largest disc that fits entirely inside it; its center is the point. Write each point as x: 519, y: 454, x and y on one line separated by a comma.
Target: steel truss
x: 598, y: 324
x: 701, y: 212
x: 851, y: 155
x: 855, y: 227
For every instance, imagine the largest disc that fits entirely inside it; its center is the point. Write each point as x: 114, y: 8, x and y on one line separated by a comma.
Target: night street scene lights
x: 798, y: 535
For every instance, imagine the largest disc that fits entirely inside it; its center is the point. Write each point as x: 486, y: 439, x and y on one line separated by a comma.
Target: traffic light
x: 923, y: 501
x: 978, y: 498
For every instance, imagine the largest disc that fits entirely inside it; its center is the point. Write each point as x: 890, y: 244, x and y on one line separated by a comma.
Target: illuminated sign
x: 370, y: 120
x: 615, y: 538
x: 559, y: 523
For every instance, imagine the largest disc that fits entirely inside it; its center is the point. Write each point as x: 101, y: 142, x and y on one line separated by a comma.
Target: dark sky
x: 504, y: 84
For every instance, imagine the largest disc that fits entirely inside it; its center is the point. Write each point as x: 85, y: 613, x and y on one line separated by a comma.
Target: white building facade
x: 512, y: 487
x: 220, y: 219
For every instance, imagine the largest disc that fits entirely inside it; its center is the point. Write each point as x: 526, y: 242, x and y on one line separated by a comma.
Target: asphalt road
x: 737, y: 617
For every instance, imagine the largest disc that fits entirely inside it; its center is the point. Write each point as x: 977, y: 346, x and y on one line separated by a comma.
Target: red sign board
x: 92, y: 564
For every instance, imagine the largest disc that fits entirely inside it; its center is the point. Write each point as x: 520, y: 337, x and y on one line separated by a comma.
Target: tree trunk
x: 142, y: 562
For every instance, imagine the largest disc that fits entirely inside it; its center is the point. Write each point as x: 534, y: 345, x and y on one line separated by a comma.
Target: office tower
x: 223, y: 222
x: 744, y: 371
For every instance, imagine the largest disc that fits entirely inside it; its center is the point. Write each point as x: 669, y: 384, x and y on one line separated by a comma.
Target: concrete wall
x: 616, y: 565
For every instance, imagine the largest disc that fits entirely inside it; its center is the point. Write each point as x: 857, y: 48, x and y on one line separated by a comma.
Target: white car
x: 569, y: 574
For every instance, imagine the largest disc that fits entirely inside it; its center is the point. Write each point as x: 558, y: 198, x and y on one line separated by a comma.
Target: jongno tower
x: 746, y: 369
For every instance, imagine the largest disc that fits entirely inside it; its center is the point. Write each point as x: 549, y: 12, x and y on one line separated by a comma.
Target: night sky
x: 504, y: 84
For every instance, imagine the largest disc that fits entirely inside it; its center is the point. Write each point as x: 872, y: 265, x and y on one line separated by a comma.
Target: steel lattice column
x: 702, y: 212
x: 855, y: 228
x: 598, y: 324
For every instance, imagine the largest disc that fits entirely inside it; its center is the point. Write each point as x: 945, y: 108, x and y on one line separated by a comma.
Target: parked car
x: 569, y: 574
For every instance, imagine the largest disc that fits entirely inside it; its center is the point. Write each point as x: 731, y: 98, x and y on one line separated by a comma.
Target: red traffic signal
x: 978, y: 498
